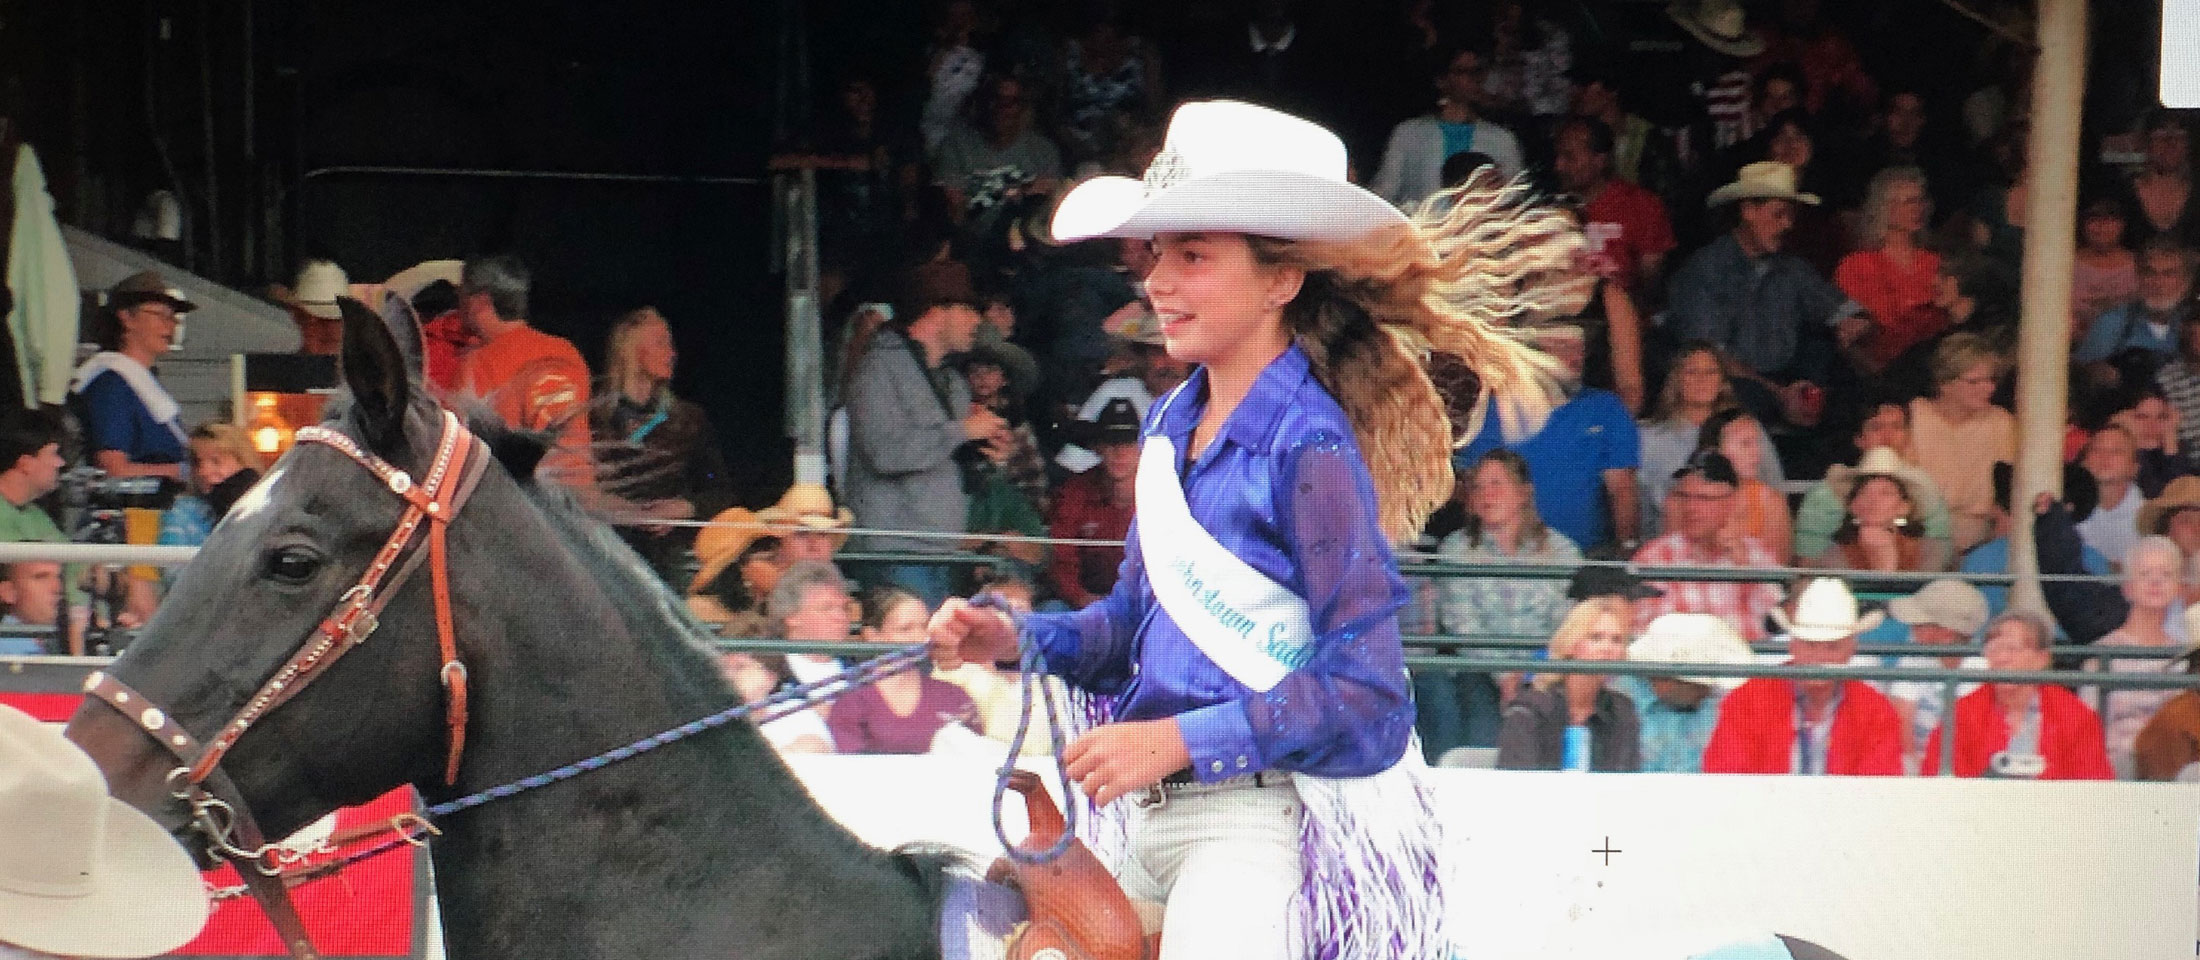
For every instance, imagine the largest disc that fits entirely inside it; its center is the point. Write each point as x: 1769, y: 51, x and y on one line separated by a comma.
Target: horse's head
x: 259, y: 590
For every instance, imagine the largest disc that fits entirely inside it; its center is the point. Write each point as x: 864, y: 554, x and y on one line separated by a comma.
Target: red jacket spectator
x: 1756, y: 732
x: 2070, y: 736
x: 1626, y: 225
x: 1082, y: 510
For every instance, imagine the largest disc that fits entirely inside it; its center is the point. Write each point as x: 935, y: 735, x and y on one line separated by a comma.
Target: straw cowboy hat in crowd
x: 1231, y: 167
x: 1825, y: 613
x: 1693, y: 638
x: 2182, y: 494
x: 809, y: 506
x: 718, y: 545
x: 1763, y: 180
x: 1722, y: 25
x: 1884, y: 462
x: 81, y: 873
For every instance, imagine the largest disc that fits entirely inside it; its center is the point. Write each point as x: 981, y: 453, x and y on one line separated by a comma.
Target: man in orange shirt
x: 533, y: 380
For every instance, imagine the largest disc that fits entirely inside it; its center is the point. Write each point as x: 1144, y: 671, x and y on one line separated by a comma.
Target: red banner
x: 370, y: 909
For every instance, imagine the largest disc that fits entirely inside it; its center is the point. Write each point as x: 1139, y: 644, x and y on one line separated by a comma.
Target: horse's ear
x: 404, y: 323
x: 375, y: 371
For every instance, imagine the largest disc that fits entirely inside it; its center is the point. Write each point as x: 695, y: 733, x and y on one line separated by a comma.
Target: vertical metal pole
x: 805, y: 333
x: 216, y: 262
x: 1948, y: 698
x: 249, y: 208
x: 805, y: 404
x: 2043, y: 339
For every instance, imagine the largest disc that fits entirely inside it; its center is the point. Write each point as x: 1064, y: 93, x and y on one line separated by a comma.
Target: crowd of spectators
x: 1798, y: 355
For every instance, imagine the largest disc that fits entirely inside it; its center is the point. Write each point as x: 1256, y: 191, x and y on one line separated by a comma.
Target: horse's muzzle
x: 137, y: 771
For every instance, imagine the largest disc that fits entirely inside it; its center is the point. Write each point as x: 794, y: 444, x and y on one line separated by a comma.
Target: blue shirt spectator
x: 1672, y: 738
x: 2133, y: 326
x: 116, y: 419
x: 1758, y: 308
x: 1993, y: 557
x: 1588, y: 444
x: 2154, y: 320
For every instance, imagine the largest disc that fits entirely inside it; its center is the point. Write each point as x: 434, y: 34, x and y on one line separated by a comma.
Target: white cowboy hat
x: 1825, y: 613
x: 1763, y: 180
x: 1231, y: 167
x: 1924, y: 494
x: 1722, y: 25
x: 1953, y: 604
x: 319, y: 283
x: 1693, y: 638
x: 81, y: 873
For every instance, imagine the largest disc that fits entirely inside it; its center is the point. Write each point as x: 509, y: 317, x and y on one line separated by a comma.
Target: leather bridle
x: 217, y: 808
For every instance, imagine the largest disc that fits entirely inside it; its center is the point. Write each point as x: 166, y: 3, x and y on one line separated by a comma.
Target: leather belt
x: 1181, y: 783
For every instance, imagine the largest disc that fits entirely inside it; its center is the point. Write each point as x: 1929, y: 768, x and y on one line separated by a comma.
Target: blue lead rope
x: 1034, y: 689
x: 867, y: 672
x: 791, y: 700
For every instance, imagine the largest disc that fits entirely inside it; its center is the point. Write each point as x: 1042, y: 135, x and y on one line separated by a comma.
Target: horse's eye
x: 292, y: 565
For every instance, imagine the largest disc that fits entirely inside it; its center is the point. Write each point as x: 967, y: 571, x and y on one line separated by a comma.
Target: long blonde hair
x: 621, y: 360
x: 1450, y: 290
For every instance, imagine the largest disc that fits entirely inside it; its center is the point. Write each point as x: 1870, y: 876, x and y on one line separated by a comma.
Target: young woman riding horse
x: 1261, y: 714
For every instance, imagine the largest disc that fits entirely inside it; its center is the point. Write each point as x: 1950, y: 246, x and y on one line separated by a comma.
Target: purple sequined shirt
x: 1284, y: 488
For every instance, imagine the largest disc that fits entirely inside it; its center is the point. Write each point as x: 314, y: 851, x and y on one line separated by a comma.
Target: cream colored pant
x: 1226, y: 865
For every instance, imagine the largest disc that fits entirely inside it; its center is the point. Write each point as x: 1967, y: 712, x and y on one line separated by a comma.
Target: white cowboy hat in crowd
x: 1763, y: 180
x: 1693, y: 638
x: 1951, y: 603
x: 1722, y: 25
x: 1825, y: 613
x: 1231, y: 167
x: 81, y: 873
x: 319, y: 283
x: 1884, y: 462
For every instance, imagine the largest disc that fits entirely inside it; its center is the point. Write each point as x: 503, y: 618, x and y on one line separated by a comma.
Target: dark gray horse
x: 706, y: 848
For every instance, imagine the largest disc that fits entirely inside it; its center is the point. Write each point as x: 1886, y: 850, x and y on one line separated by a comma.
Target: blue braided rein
x: 791, y: 700
x: 798, y: 696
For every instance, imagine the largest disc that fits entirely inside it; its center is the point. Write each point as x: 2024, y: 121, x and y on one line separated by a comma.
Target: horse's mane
x: 649, y: 608
x: 650, y: 611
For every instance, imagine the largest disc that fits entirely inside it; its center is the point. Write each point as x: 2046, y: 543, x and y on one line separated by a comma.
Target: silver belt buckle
x: 1154, y: 796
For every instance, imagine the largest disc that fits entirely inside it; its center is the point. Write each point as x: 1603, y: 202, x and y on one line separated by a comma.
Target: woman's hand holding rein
x: 961, y: 633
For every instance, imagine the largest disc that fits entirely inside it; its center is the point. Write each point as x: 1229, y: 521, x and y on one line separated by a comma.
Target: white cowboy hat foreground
x: 1230, y: 167
x: 1763, y: 180
x: 81, y: 873
x: 1825, y: 613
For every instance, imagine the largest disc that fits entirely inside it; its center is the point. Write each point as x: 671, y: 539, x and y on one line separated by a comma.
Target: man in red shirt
x: 1839, y: 727
x: 1628, y: 231
x: 1096, y: 505
x: 2020, y: 730
x: 533, y: 380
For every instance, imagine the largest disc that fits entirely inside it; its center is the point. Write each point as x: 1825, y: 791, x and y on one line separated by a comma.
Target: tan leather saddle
x: 1076, y: 908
